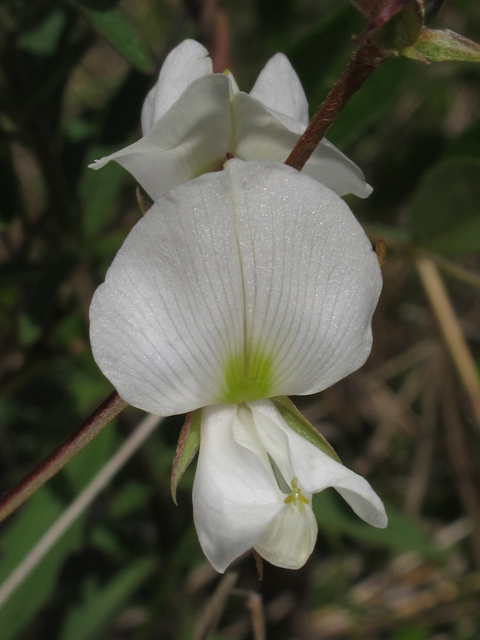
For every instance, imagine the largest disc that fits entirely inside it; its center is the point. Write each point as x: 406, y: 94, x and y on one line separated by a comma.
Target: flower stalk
x: 364, y: 61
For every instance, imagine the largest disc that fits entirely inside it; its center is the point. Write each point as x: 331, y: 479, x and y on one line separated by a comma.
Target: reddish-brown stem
x: 363, y: 63
x: 59, y: 457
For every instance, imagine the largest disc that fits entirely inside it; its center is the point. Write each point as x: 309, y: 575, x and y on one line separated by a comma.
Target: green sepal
x: 302, y: 426
x: 438, y: 45
x: 188, y: 443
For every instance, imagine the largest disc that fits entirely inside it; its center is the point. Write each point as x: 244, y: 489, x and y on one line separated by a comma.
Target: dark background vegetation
x: 73, y: 77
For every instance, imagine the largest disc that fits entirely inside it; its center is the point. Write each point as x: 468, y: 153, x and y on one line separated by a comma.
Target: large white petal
x: 184, y: 64
x: 234, y: 495
x: 311, y: 280
x: 191, y: 139
x: 261, y: 134
x: 251, y: 282
x: 278, y: 88
x: 289, y: 539
x: 171, y: 310
x: 317, y: 471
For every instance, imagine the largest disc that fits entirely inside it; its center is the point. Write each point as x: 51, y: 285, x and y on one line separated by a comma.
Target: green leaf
x: 89, y: 619
x: 130, y: 498
x: 118, y: 30
x: 105, y: 540
x: 43, y: 39
x: 38, y: 515
x: 400, y: 535
x: 445, y: 212
x: 302, y: 426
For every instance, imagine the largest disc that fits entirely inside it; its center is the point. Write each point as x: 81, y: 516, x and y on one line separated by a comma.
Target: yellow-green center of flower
x: 247, y: 378
x: 296, y: 498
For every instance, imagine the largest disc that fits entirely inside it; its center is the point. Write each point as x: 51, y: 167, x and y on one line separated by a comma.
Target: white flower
x: 245, y: 284
x: 193, y: 118
x: 241, y: 499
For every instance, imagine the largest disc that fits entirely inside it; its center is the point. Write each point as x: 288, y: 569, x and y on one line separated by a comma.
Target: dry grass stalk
x: 418, y: 481
x: 463, y: 464
x: 451, y: 330
x: 209, y: 619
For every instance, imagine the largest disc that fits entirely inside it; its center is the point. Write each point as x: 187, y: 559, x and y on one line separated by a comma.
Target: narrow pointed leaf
x: 39, y: 514
x: 118, y: 30
x: 89, y: 619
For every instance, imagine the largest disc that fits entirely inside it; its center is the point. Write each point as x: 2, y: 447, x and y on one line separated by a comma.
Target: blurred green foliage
x: 73, y: 77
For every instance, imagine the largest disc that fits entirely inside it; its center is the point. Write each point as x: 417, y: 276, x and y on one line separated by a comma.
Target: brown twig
x: 363, y: 63
x: 59, y: 457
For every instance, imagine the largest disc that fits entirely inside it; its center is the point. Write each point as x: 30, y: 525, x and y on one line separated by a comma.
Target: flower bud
x: 437, y: 45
